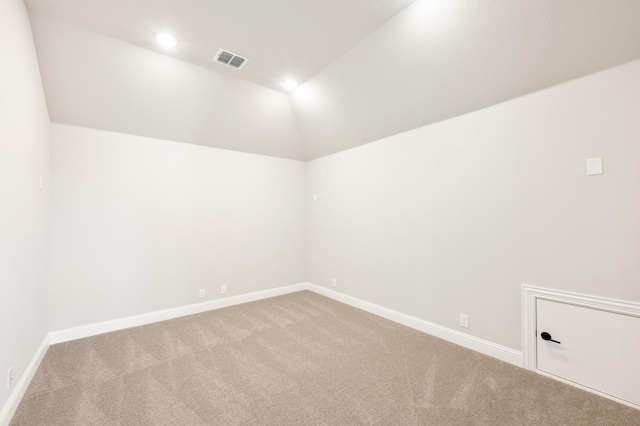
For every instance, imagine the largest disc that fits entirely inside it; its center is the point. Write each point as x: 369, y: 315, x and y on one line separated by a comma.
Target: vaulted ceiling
x: 369, y: 68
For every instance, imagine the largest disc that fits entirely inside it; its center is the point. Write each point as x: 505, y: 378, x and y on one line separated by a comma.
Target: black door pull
x: 547, y: 336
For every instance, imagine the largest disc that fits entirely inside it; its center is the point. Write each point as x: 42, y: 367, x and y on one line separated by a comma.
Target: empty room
x: 305, y: 212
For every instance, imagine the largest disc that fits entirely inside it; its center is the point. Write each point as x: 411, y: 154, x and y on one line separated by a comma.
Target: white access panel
x: 598, y: 349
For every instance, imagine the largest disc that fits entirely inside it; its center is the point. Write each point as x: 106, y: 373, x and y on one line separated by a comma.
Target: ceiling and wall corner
x: 440, y: 59
x: 368, y: 70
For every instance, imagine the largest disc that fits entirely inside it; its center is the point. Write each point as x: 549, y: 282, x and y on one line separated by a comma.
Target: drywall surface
x: 452, y: 218
x: 94, y: 81
x: 141, y: 224
x: 24, y: 158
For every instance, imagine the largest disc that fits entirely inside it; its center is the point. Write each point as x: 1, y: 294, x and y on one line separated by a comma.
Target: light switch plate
x: 594, y: 166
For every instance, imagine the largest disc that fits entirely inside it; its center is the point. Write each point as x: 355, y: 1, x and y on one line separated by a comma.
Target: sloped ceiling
x: 281, y: 38
x: 99, y: 82
x: 433, y: 60
x: 439, y: 59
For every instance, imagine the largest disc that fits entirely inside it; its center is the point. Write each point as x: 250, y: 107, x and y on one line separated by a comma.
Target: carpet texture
x: 299, y: 359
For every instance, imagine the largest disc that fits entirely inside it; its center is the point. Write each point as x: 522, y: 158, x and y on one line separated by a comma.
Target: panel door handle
x: 547, y: 336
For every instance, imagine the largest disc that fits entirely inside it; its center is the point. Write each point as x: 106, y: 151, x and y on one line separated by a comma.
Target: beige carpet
x: 299, y: 359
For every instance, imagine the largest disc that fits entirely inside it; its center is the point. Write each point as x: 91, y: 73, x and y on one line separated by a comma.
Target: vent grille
x: 230, y: 59
x: 236, y: 62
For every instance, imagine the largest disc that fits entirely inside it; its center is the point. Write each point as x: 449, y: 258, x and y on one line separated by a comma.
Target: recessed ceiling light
x: 289, y: 85
x: 166, y: 40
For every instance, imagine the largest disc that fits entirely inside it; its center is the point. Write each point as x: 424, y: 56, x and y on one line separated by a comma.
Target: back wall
x: 140, y: 224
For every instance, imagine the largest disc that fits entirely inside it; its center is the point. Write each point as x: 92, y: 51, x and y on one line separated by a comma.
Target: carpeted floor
x: 299, y: 359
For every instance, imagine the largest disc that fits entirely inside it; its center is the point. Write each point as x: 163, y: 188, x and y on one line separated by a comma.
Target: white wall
x: 141, y: 224
x: 453, y: 217
x: 24, y: 157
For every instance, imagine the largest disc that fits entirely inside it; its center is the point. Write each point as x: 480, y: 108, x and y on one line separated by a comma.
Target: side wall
x: 454, y: 217
x: 24, y: 208
x: 139, y: 224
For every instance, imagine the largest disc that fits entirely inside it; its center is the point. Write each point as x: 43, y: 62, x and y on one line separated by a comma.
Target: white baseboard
x: 12, y: 403
x: 486, y: 347
x: 166, y: 314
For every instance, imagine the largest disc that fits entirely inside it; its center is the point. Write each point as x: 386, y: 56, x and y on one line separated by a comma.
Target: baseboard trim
x: 13, y: 402
x: 485, y: 347
x: 89, y: 330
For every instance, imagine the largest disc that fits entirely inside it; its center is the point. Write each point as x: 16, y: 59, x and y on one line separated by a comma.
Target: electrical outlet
x: 223, y: 289
x: 202, y: 293
x: 9, y: 378
x: 334, y: 283
x: 464, y: 320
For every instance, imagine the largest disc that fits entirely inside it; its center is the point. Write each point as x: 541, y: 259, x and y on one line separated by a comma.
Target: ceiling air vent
x: 230, y: 59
